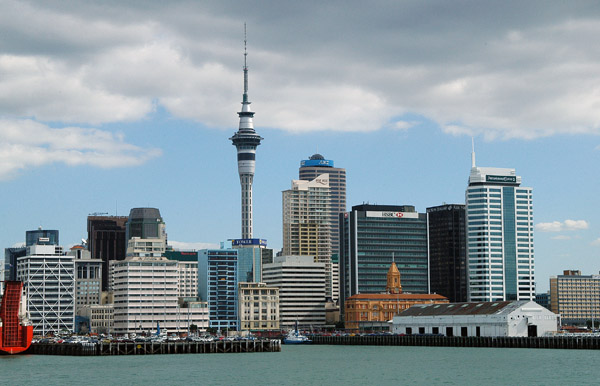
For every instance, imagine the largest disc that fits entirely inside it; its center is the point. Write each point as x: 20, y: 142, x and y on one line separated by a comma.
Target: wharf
x: 151, y: 348
x: 556, y: 342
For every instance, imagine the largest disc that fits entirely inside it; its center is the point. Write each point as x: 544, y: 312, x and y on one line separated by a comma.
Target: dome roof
x: 316, y: 156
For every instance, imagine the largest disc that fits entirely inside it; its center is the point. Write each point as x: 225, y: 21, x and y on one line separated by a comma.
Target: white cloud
x: 192, y: 245
x: 567, y: 225
x: 404, y: 125
x: 498, y: 75
x: 596, y: 242
x: 26, y: 143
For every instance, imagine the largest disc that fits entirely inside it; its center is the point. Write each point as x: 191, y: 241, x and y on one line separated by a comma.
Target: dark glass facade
x: 371, y: 237
x: 448, y: 252
x: 10, y: 261
x: 41, y: 237
x: 106, y: 241
x: 144, y: 223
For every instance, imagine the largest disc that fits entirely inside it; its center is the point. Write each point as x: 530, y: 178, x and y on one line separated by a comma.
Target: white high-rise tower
x: 246, y: 140
x: 499, y: 236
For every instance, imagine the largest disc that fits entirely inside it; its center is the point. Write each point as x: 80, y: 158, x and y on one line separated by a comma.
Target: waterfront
x: 317, y: 365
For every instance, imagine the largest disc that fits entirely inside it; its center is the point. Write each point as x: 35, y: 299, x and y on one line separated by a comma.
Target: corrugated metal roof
x: 479, y: 308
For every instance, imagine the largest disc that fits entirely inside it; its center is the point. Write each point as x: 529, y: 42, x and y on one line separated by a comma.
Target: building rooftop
x: 476, y: 308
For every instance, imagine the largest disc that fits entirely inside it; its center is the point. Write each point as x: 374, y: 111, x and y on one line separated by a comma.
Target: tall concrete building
x: 448, y: 252
x: 187, y: 267
x: 146, y: 290
x: 48, y: 274
x: 575, y: 297
x: 301, y: 283
x: 35, y: 237
x: 145, y: 233
x: 312, y: 168
x: 88, y: 277
x: 246, y: 140
x: 374, y: 236
x: 499, y: 236
x: 307, y: 222
x: 106, y: 240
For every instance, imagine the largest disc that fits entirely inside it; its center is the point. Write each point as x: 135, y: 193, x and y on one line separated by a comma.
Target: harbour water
x: 315, y: 365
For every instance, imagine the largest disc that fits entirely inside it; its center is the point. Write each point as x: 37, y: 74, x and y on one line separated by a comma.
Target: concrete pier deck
x: 556, y: 342
x: 151, y: 348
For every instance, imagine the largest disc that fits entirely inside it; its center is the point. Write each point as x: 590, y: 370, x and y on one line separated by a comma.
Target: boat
x: 294, y: 337
x: 16, y: 332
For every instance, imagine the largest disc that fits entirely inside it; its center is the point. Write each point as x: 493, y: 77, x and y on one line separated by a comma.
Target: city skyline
x: 138, y: 111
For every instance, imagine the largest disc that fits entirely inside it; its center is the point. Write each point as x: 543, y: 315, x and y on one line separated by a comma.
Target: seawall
x: 556, y: 342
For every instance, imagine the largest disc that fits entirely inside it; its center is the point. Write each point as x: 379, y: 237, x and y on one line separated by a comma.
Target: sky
x: 110, y: 105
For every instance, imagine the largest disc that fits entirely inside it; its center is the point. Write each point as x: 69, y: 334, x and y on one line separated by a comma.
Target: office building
x: 312, y: 168
x: 302, y: 290
x: 146, y: 297
x: 258, y: 307
x: 41, y: 237
x: 575, y: 297
x: 374, y: 236
x: 448, y: 252
x: 49, y: 278
x: 246, y: 140
x: 106, y: 240
x: 145, y: 233
x: 100, y: 317
x: 187, y: 268
x: 88, y: 277
x: 219, y: 273
x: 10, y: 261
x: 306, y: 223
x: 543, y: 299
x: 499, y: 236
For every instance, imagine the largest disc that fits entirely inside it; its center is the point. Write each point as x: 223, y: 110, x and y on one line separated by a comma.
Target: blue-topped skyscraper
x: 246, y: 140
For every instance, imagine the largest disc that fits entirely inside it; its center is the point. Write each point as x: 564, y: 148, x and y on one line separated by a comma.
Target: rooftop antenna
x: 245, y: 67
x: 472, y: 152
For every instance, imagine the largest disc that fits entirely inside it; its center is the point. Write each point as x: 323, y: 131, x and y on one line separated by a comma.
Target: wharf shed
x: 501, y: 318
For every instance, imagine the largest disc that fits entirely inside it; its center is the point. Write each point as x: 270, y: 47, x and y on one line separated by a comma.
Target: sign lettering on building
x: 506, y: 179
x: 393, y: 214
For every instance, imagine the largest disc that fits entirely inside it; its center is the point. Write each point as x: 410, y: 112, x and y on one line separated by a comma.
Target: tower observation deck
x: 246, y: 140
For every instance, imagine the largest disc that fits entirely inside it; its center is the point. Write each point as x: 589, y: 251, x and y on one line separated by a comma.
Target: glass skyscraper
x: 448, y: 251
x: 219, y: 273
x: 374, y: 236
x: 499, y: 236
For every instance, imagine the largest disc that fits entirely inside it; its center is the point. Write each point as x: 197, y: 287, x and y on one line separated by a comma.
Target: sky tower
x: 246, y: 140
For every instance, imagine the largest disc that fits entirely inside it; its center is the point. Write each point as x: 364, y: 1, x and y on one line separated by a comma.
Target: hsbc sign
x: 393, y: 214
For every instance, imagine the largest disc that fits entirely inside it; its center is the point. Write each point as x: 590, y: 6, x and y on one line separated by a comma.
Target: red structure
x: 15, y: 335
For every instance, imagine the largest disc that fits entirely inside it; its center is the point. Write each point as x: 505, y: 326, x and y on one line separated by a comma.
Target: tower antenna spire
x: 245, y: 98
x: 472, y: 152
x: 246, y: 140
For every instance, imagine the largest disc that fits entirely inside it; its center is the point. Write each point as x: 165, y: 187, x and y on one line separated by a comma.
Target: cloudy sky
x: 110, y: 105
